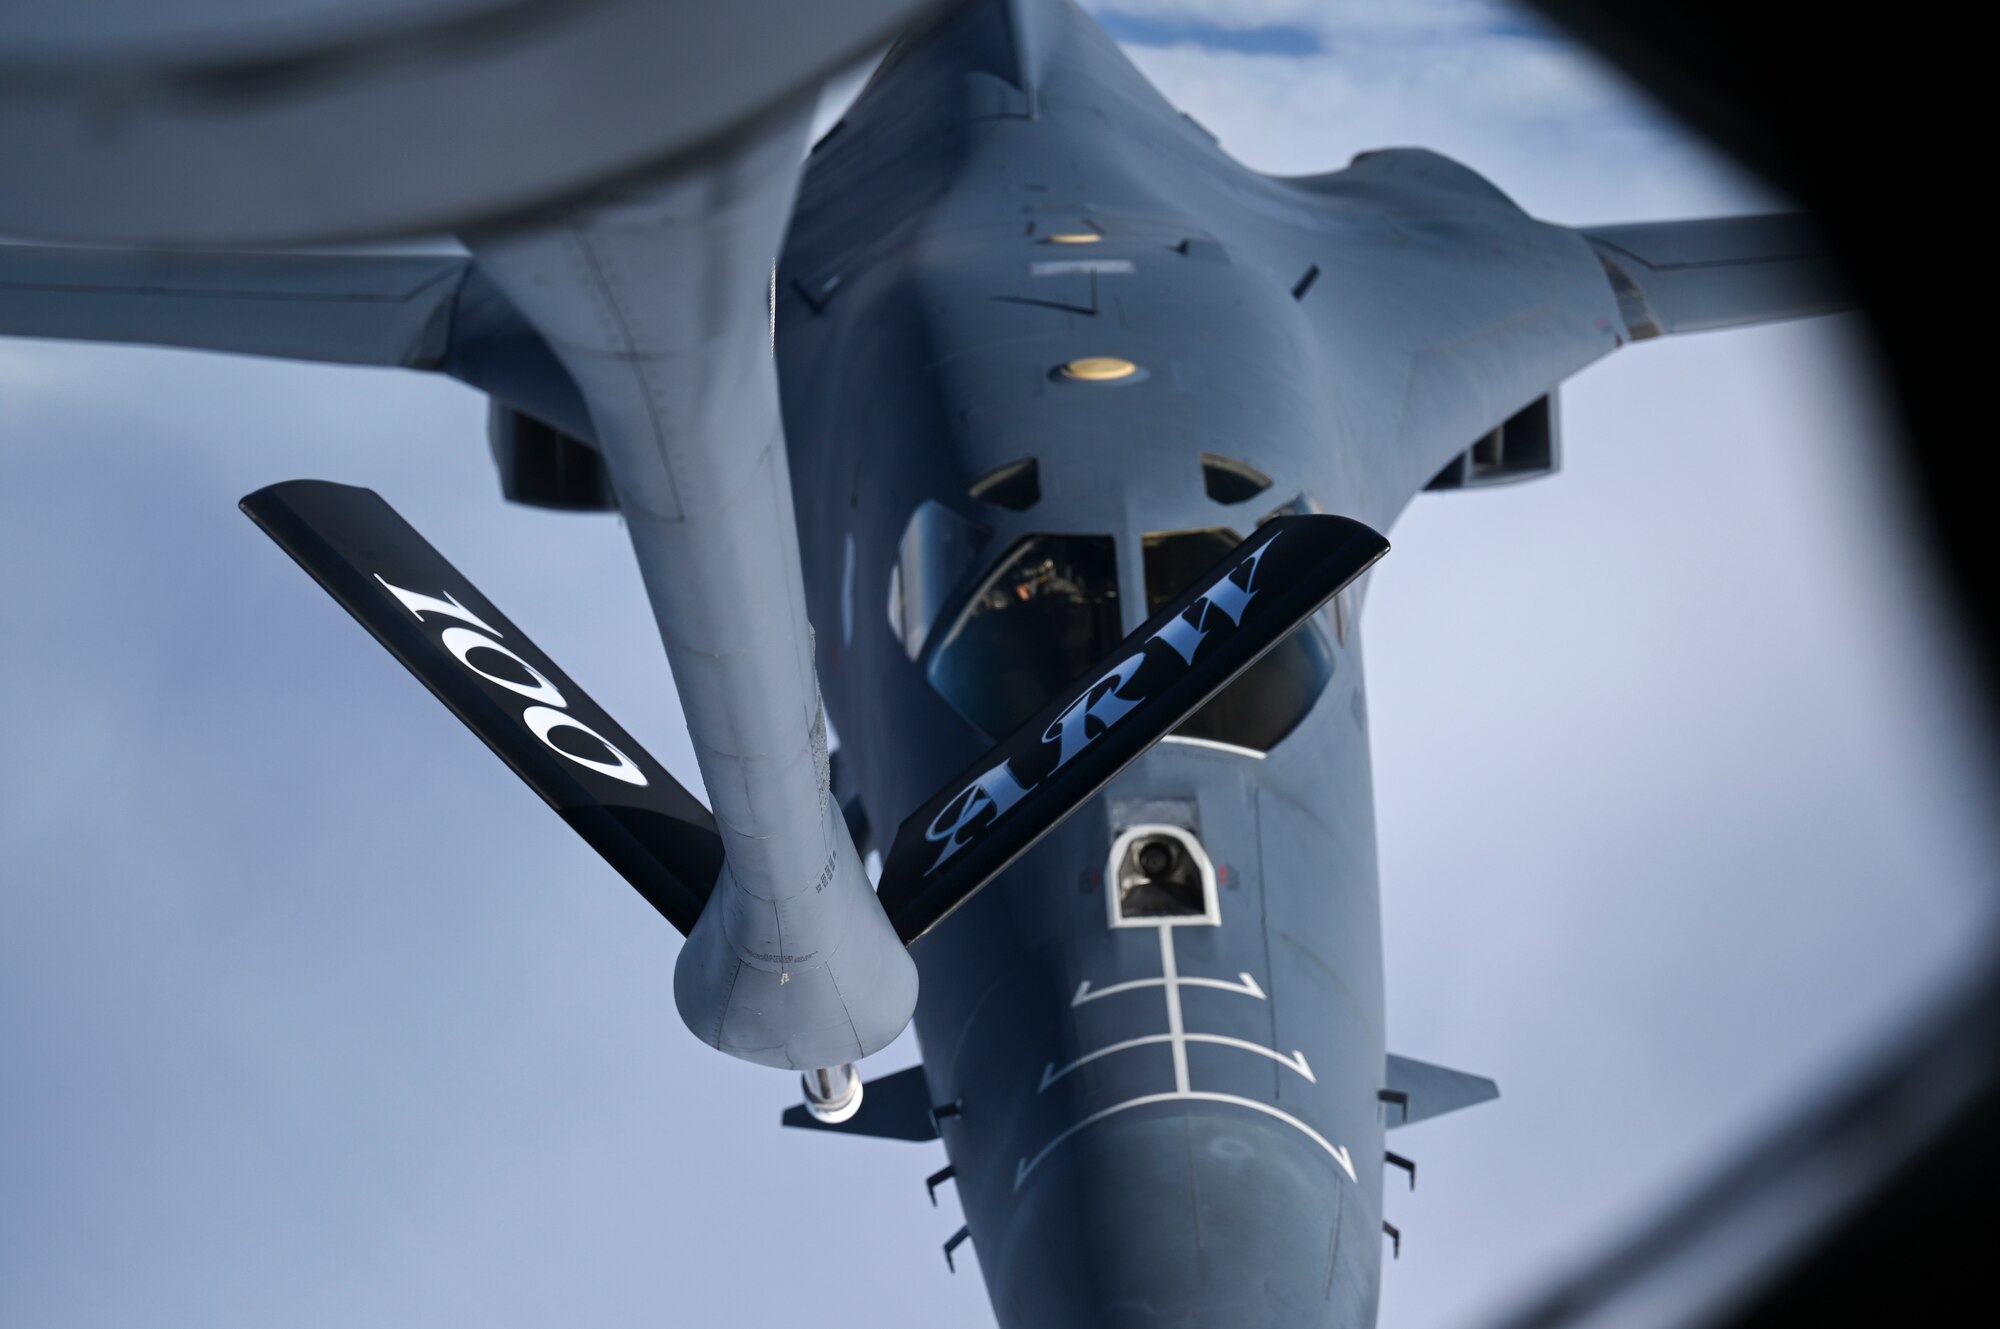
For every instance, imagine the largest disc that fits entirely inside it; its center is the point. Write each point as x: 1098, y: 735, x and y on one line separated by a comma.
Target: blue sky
x: 310, y: 1014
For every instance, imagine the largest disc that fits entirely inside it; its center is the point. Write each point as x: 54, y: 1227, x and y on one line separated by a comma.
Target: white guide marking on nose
x: 1170, y: 975
x: 1297, y: 1061
x: 1245, y: 986
x: 1177, y: 1038
x: 1337, y: 1152
x: 1062, y: 266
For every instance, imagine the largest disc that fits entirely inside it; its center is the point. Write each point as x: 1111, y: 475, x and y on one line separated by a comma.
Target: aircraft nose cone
x: 1182, y: 1218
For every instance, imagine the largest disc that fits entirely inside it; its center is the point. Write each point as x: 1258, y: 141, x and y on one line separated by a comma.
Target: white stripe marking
x: 1170, y: 975
x: 1050, y: 1074
x: 1064, y: 266
x: 1337, y: 1152
x: 1245, y: 986
x: 1297, y: 1061
x: 1215, y: 745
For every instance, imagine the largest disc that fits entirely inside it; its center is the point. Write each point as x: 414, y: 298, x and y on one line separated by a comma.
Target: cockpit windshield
x: 1268, y: 699
x: 1047, y: 612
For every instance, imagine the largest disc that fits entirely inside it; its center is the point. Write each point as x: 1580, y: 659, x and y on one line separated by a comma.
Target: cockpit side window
x: 1046, y: 613
x: 937, y: 549
x: 1268, y: 699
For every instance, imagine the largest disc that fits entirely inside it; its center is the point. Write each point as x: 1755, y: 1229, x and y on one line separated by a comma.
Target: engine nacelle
x: 545, y: 468
x: 1523, y: 447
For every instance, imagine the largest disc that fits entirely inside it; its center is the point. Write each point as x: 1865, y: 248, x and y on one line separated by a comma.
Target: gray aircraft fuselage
x: 1043, y: 353
x: 1157, y: 1124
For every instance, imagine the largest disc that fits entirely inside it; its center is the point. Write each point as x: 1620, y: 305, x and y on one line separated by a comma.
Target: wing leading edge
x: 411, y: 311
x: 361, y: 309
x: 1722, y: 272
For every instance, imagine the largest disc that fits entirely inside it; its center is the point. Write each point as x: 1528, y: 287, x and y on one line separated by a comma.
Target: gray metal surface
x: 1720, y: 272
x: 1432, y: 1091
x: 1156, y: 1123
x: 416, y: 311
x: 227, y: 123
x: 1152, y: 1125
x: 650, y: 296
x: 346, y: 309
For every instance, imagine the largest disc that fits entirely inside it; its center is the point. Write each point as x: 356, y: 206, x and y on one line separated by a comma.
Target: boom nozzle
x: 833, y: 1093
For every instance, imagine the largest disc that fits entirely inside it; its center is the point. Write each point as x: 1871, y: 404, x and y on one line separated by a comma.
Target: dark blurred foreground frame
x: 1877, y: 1202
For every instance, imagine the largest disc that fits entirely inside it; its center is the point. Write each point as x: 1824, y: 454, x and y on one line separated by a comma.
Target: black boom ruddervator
x: 485, y: 670
x: 659, y: 836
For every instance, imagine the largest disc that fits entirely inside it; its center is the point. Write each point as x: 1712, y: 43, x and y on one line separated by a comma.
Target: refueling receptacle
x: 1160, y: 874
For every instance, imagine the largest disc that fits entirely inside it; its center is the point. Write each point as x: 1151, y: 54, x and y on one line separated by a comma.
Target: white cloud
x: 1408, y: 16
x: 1565, y: 136
x: 1246, y: 14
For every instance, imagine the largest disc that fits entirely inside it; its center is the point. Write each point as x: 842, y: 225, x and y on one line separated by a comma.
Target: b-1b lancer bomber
x: 1047, y: 465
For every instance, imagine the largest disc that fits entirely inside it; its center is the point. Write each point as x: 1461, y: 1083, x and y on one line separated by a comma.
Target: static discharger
x: 1099, y: 369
